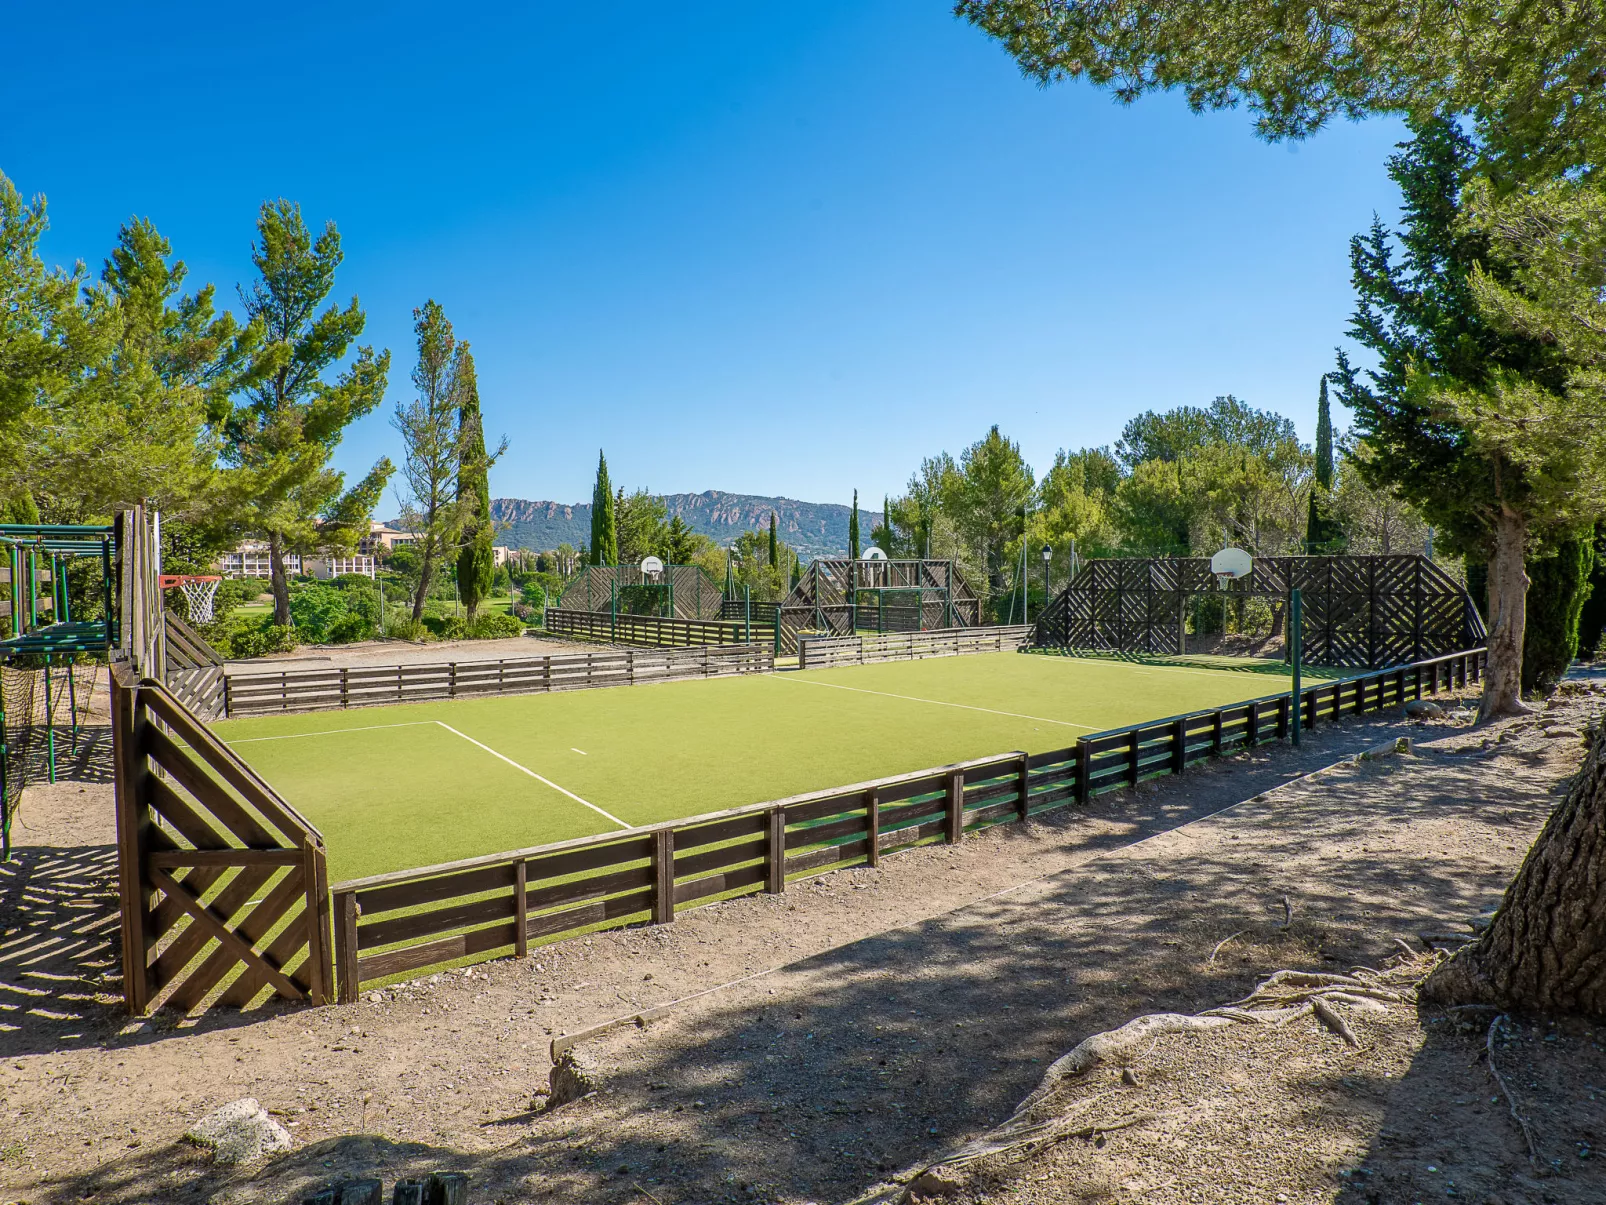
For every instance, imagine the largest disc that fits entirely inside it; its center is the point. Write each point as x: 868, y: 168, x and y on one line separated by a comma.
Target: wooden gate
x: 225, y: 892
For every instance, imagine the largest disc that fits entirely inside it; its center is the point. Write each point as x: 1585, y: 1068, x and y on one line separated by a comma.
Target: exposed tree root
x: 1044, y: 1117
x: 1511, y: 1101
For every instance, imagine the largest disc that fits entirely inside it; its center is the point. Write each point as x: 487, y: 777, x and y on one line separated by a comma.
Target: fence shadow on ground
x: 869, y: 1057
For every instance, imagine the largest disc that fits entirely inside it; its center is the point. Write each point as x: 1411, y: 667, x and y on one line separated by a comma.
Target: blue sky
x: 764, y: 248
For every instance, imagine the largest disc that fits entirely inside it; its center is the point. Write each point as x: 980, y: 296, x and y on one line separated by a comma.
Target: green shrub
x: 445, y: 627
x: 407, y: 628
x: 349, y: 629
x: 1560, y: 585
x: 495, y: 625
x: 247, y: 638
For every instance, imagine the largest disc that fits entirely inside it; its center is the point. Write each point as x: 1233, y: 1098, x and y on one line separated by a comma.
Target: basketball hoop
x: 1231, y: 564
x: 198, y: 589
x: 651, y: 567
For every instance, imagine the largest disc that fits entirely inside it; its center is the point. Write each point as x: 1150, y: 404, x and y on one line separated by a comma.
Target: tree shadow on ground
x: 1446, y: 1130
x: 824, y: 1076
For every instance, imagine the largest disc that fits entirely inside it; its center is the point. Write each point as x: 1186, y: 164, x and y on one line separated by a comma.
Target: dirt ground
x: 869, y: 1020
x: 404, y: 652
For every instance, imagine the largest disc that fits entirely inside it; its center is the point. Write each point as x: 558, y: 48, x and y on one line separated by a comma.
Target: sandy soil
x: 870, y: 1019
x: 402, y: 652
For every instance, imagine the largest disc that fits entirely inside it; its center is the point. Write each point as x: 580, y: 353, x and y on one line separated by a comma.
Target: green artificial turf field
x: 404, y: 786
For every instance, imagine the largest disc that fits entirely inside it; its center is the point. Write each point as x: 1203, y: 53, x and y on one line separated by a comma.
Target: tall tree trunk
x: 1546, y: 950
x: 1508, y: 608
x: 279, y: 579
x: 426, y: 570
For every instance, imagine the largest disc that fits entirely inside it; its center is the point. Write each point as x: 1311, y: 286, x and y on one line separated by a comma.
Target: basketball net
x: 198, y: 591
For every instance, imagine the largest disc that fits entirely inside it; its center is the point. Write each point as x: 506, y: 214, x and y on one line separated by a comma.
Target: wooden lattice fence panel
x: 1366, y: 611
x: 224, y: 886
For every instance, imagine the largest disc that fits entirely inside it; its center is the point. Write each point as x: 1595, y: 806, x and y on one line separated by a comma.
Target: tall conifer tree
x: 1320, y: 530
x: 476, y: 560
x: 774, y: 549
x: 853, y: 529
x: 604, y: 533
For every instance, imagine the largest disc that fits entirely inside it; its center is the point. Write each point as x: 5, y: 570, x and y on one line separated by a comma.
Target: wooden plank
x: 954, y: 808
x: 251, y: 928
x: 415, y: 925
x: 429, y: 891
x: 169, y: 859
x: 715, y: 884
x: 220, y: 930
x: 592, y: 887
x: 663, y: 886
x: 346, y: 972
x: 721, y: 856
x: 775, y: 852
x: 695, y: 835
x: 872, y: 828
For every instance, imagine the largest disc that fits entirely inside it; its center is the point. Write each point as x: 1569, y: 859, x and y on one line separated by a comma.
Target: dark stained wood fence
x: 261, y: 693
x: 652, y: 629
x: 396, y: 924
x: 225, y: 889
x: 822, y: 652
x: 194, y: 670
x: 1358, y: 610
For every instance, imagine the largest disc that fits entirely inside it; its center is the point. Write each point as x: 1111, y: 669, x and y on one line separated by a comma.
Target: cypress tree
x: 775, y: 559
x: 476, y: 562
x: 604, y: 534
x: 1321, y: 532
x: 1324, y: 439
x: 1559, y: 586
x: 853, y: 529
x: 1592, y: 621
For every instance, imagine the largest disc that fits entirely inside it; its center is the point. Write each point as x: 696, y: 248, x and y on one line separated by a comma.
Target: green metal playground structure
x: 39, y: 627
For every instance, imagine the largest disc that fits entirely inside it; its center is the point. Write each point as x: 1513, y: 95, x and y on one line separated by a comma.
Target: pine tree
x: 853, y: 529
x: 476, y: 558
x: 604, y: 535
x: 775, y: 562
x: 282, y: 437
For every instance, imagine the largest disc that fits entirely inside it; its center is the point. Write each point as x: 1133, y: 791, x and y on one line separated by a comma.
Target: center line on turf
x: 291, y: 736
x: 533, y: 774
x: 938, y: 703
x: 581, y: 752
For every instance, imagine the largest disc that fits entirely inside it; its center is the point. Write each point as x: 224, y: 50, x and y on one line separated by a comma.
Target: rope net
x: 33, y: 717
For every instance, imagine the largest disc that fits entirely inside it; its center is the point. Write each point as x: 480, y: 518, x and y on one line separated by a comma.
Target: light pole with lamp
x: 1048, y: 555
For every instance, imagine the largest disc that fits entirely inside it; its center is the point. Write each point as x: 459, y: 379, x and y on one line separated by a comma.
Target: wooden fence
x: 653, y: 630
x: 225, y: 890
x: 822, y: 652
x: 259, y: 693
x: 394, y: 924
x: 194, y: 670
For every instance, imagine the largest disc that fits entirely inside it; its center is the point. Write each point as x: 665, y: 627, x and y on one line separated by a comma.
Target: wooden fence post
x: 1215, y: 734
x: 1025, y: 787
x: 954, y: 820
x: 1134, y: 748
x: 346, y: 946
x: 663, y: 876
x: 343, y: 689
x: 1084, y: 771
x: 1254, y: 723
x: 775, y: 871
x: 133, y: 822
x: 1282, y: 718
x: 1179, y: 745
x: 315, y: 892
x: 872, y: 828
x: 521, y: 911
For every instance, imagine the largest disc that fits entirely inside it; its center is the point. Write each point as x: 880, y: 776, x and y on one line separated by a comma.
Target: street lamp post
x: 1048, y: 554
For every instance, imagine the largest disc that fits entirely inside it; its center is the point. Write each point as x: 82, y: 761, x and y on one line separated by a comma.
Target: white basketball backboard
x: 1232, y: 563
x: 873, y: 553
x: 651, y: 566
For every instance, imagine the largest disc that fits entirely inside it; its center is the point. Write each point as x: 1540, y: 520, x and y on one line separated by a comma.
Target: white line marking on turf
x: 938, y: 703
x: 290, y: 736
x: 532, y: 774
x: 581, y: 752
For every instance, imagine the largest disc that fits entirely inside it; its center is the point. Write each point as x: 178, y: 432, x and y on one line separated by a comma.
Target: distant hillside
x: 813, y: 528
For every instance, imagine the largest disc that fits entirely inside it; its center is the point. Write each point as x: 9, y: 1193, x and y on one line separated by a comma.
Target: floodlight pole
x: 1296, y: 651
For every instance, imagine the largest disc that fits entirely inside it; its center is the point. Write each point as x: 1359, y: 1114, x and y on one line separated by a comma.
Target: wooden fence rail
x: 653, y: 630
x: 395, y: 924
x: 822, y: 652
x: 225, y: 891
x: 258, y: 693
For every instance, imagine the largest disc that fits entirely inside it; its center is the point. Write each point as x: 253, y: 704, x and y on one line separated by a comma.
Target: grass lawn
x: 397, y: 787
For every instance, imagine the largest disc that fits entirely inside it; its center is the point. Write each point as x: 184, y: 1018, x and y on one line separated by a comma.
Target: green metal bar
x: 50, y: 725
x: 33, y: 589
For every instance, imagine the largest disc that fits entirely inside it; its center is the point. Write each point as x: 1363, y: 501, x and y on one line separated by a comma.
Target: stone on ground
x: 240, y: 1132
